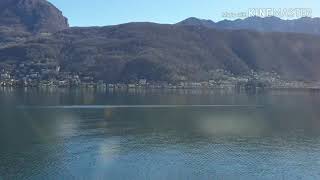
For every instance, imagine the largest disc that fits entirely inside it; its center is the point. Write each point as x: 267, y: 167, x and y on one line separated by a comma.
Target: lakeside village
x: 25, y: 75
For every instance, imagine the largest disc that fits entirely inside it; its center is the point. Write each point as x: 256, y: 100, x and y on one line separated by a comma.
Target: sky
x: 112, y: 12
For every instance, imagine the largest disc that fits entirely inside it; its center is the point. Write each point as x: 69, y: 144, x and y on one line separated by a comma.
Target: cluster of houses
x: 70, y: 80
x: 49, y: 75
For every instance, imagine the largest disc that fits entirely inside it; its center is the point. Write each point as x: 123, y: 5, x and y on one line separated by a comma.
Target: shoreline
x: 164, y: 88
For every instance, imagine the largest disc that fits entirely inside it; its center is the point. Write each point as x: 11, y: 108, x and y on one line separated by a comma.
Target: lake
x: 160, y: 134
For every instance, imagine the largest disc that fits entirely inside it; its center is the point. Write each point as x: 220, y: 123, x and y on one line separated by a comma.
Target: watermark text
x: 288, y: 13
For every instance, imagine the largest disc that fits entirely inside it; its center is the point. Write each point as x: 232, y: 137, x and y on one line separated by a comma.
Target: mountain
x: 168, y: 52
x: 22, y: 19
x: 35, y: 38
x: 35, y: 16
x: 268, y: 24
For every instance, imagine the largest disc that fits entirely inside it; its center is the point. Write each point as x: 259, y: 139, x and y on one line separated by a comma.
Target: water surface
x: 87, y: 134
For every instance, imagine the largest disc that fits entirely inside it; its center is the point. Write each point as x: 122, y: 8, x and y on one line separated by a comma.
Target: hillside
x: 170, y: 52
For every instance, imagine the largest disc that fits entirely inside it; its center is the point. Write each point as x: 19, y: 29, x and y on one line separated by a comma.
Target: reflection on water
x: 276, y: 135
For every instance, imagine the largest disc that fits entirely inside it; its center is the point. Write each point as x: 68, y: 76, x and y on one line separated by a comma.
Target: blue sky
x: 111, y: 12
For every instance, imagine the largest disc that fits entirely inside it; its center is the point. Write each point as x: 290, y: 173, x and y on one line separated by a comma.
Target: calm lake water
x: 83, y: 134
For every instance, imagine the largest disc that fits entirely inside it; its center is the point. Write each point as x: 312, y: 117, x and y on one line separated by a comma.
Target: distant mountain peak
x: 305, y: 25
x: 193, y: 21
x: 257, y: 18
